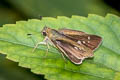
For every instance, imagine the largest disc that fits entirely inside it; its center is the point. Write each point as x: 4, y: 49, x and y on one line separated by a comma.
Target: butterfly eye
x: 44, y: 33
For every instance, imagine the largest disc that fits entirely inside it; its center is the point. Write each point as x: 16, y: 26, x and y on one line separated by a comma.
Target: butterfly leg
x: 64, y: 58
x: 48, y: 47
x: 44, y: 42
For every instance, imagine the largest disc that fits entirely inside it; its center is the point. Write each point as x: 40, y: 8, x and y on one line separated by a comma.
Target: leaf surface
x: 18, y: 46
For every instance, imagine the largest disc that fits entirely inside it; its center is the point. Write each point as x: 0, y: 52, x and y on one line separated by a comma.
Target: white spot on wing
x: 76, y: 48
x: 84, y: 42
x: 88, y: 37
x: 88, y: 41
x: 79, y: 42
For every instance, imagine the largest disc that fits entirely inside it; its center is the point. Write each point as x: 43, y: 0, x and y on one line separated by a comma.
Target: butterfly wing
x: 91, y: 41
x: 68, y: 51
x: 75, y: 54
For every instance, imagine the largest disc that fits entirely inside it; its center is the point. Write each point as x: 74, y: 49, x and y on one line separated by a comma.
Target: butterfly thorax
x: 53, y: 34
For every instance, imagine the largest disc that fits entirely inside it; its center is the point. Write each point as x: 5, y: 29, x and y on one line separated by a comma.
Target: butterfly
x: 75, y: 45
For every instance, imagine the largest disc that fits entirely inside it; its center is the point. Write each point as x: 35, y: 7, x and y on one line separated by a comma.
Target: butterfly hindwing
x: 75, y: 53
x: 66, y: 50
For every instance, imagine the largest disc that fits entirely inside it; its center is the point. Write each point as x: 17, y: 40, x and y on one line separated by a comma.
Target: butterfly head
x: 45, y: 31
x: 48, y: 32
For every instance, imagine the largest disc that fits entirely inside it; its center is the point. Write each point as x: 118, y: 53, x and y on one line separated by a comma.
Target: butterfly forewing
x: 91, y: 41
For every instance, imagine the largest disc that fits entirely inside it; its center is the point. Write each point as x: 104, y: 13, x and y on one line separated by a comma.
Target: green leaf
x: 18, y: 46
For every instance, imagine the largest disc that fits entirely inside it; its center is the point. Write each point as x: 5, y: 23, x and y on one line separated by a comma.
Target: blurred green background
x: 15, y: 10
